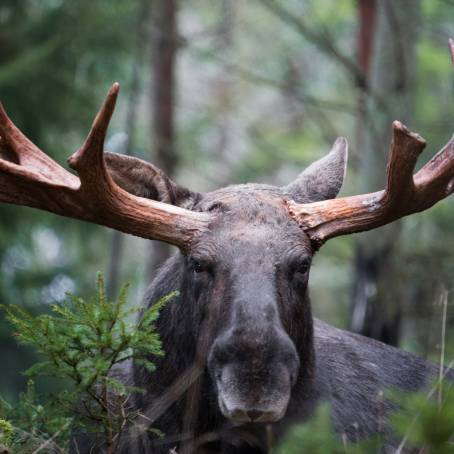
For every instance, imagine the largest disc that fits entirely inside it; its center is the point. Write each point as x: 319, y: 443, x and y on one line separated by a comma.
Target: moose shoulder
x: 244, y: 357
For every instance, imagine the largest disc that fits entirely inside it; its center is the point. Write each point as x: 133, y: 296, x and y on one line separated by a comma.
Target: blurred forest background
x: 227, y: 92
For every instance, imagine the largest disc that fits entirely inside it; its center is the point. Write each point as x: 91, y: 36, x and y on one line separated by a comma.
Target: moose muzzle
x: 254, y: 371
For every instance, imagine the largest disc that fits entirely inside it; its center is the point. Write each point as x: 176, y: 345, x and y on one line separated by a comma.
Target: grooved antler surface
x: 29, y: 177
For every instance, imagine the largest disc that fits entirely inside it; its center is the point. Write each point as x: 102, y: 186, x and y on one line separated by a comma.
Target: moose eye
x: 300, y: 267
x: 200, y: 266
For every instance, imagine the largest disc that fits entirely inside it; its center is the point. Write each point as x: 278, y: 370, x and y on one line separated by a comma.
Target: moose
x: 245, y: 359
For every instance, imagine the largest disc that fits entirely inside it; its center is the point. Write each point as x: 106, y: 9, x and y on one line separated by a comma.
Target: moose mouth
x: 240, y: 415
x: 243, y: 402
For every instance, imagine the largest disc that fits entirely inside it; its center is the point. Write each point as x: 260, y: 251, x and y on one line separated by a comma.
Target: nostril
x: 254, y: 414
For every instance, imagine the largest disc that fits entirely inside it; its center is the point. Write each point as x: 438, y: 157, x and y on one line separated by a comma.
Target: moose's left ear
x: 143, y: 179
x: 323, y: 179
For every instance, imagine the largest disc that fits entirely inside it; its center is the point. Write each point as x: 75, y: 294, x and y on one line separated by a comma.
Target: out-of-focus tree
x: 57, y: 59
x: 164, y: 153
x: 224, y: 96
x: 388, y: 64
x: 142, y: 28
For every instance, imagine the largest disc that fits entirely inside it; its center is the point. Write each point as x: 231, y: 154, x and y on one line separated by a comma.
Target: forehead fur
x: 251, y: 215
x: 249, y: 199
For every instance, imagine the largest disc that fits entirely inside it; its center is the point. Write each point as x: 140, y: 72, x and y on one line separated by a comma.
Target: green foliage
x: 35, y: 422
x: 425, y: 421
x: 318, y: 437
x: 6, y: 431
x: 83, y: 343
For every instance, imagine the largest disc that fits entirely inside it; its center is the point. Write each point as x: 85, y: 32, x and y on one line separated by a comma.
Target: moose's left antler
x: 404, y: 194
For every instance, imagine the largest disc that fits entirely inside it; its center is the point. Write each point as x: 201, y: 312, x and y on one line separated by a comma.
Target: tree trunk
x: 387, y: 58
x: 117, y: 242
x: 163, y: 103
x: 224, y: 94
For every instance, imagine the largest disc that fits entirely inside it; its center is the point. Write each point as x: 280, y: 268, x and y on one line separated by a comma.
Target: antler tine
x: 404, y: 194
x: 88, y: 161
x: 406, y: 146
x: 18, y: 154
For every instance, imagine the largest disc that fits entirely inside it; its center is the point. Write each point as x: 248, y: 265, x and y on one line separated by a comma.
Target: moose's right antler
x: 29, y: 177
x: 404, y: 194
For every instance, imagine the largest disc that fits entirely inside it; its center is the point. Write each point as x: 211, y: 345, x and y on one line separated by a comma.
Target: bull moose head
x: 247, y: 249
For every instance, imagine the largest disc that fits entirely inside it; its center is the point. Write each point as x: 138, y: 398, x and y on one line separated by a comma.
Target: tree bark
x: 224, y: 96
x: 118, y: 238
x: 386, y: 55
x: 165, y: 39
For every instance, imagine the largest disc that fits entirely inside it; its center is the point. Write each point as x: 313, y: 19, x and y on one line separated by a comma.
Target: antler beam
x: 29, y: 177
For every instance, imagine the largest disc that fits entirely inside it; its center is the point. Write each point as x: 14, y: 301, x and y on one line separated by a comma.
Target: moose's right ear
x: 146, y: 180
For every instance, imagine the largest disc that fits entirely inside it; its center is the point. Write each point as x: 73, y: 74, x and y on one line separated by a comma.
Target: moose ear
x: 146, y: 180
x: 323, y: 179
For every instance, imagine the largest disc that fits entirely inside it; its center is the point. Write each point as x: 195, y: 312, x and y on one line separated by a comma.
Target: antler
x: 29, y: 177
x: 404, y: 194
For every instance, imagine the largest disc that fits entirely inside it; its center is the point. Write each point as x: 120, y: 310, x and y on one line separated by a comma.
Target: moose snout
x: 254, y: 373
